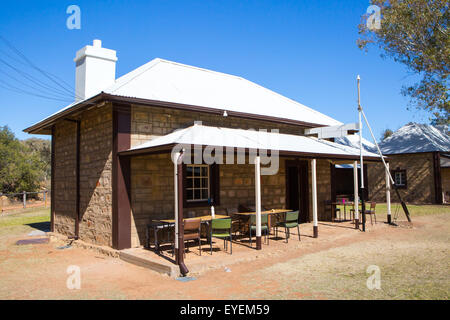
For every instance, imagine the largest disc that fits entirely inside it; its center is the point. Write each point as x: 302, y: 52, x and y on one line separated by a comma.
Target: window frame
x: 401, y: 171
x: 200, y: 177
x: 214, y: 188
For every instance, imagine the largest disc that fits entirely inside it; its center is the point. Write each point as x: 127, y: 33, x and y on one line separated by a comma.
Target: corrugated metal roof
x: 353, y: 141
x: 415, y: 137
x: 168, y: 81
x: 445, y: 161
x: 250, y: 139
x: 179, y: 83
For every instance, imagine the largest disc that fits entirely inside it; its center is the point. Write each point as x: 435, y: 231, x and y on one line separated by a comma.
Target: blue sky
x: 305, y: 50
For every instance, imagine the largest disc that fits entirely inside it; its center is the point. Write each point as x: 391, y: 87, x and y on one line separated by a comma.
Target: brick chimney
x: 95, y: 70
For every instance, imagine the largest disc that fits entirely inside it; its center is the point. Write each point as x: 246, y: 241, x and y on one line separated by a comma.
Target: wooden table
x: 335, y: 204
x: 345, y: 204
x: 204, y: 219
x: 273, y: 211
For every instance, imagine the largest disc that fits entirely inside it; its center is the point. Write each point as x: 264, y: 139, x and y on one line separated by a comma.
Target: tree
x: 414, y: 32
x: 386, y: 133
x: 21, y: 167
x: 42, y: 150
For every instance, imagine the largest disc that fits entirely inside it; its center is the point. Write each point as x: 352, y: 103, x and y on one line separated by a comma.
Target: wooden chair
x: 235, y: 220
x: 352, y: 211
x: 371, y: 212
x: 344, y: 201
x: 192, y: 231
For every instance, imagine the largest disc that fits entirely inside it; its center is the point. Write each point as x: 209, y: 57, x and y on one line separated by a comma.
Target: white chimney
x: 95, y: 70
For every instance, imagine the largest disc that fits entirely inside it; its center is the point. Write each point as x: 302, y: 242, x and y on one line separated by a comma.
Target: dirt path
x: 414, y: 264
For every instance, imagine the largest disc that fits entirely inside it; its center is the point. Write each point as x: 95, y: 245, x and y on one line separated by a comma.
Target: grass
x: 25, y: 217
x: 413, y: 264
x: 414, y: 210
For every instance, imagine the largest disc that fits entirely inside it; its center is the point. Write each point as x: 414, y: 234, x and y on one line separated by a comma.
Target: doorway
x: 297, y: 193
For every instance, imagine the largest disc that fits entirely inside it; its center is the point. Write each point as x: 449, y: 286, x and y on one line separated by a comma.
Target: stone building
x: 419, y: 162
x: 110, y: 178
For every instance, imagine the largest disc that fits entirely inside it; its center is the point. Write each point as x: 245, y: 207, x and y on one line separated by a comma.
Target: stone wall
x: 152, y: 175
x: 445, y: 174
x: 323, y: 172
x: 65, y: 178
x: 152, y: 193
x: 323, y: 190
x: 150, y: 122
x: 419, y: 175
x: 153, y: 190
x: 152, y: 184
x: 95, y: 176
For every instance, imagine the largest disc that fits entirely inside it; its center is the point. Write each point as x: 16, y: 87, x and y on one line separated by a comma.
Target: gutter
x: 167, y: 148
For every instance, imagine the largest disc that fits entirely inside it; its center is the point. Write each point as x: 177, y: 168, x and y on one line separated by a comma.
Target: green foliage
x: 414, y: 32
x: 386, y: 133
x: 42, y: 149
x: 23, y: 165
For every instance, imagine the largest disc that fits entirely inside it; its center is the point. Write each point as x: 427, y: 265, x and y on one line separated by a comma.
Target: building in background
x: 419, y: 161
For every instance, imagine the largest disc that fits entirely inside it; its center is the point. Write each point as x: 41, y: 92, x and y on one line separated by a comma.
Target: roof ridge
x: 289, y: 99
x: 158, y: 60
x: 145, y: 67
x: 416, y: 137
x: 200, y: 68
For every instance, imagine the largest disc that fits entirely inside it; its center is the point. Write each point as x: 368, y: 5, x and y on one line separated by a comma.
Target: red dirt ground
x: 301, y: 271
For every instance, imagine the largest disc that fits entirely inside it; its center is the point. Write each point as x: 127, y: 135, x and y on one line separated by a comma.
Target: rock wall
x: 95, y: 176
x: 419, y: 175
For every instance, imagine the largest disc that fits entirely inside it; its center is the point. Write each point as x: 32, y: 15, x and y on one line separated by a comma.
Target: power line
x: 33, y: 79
x: 63, y: 96
x: 19, y: 90
x: 48, y: 75
x: 19, y: 53
x: 54, y: 94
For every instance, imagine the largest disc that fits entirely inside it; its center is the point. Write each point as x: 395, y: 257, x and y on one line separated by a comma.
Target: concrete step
x: 139, y: 258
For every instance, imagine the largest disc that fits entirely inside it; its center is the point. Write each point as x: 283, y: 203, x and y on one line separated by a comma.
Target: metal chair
x: 221, y: 228
x: 264, y: 226
x: 290, y: 221
x: 154, y: 227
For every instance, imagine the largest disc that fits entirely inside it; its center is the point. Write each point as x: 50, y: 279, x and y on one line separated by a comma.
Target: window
x: 201, y: 185
x: 197, y: 182
x: 399, y: 178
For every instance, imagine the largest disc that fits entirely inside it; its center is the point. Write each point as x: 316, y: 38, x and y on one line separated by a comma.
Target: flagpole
x: 363, y: 205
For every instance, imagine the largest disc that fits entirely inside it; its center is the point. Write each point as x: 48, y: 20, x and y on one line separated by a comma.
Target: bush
x: 23, y: 165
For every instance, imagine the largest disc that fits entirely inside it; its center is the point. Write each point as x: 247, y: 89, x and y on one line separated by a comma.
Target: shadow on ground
x: 42, y: 226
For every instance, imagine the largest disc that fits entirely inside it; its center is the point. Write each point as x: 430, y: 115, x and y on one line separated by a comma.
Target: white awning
x: 285, y: 144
